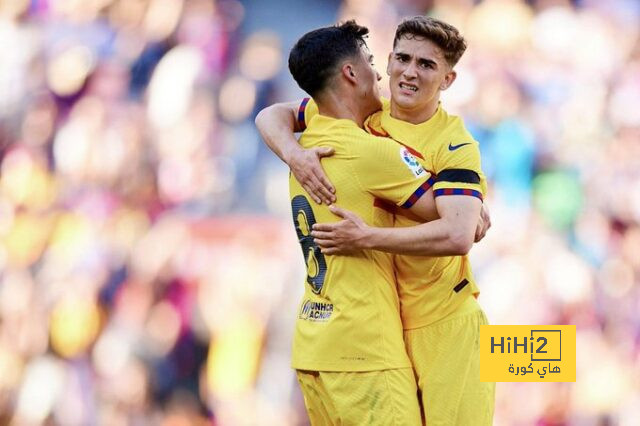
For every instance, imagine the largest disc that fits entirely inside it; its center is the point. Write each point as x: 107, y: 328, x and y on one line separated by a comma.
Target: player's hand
x: 342, y: 237
x: 484, y: 223
x: 305, y: 166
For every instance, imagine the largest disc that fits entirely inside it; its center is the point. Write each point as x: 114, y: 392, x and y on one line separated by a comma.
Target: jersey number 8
x: 304, y: 219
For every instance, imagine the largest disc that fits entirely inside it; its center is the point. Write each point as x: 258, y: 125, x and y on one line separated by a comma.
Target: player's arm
x: 484, y: 223
x: 277, y: 124
x: 458, y: 203
x: 458, y: 192
x: 452, y: 234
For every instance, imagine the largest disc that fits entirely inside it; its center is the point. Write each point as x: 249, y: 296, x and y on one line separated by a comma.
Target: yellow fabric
x: 309, y: 111
x: 349, y: 315
x: 446, y: 359
x: 426, y: 284
x: 384, y: 398
x: 434, y: 139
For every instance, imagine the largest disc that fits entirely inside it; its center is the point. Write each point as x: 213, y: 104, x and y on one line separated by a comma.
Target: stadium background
x: 149, y: 271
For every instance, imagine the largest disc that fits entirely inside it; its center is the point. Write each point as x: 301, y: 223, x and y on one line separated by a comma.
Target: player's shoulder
x: 368, y: 144
x: 371, y: 148
x: 343, y: 135
x: 452, y: 134
x: 322, y: 131
x: 455, y: 146
x: 453, y: 126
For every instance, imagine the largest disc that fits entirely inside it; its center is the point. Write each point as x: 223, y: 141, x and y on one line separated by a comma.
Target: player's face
x: 368, y: 90
x: 418, y: 71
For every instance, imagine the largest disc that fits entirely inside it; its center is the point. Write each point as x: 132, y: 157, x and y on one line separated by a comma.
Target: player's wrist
x: 291, y: 154
x: 370, y: 238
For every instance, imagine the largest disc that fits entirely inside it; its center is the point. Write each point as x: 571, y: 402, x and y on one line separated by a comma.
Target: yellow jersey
x: 349, y: 319
x: 430, y: 288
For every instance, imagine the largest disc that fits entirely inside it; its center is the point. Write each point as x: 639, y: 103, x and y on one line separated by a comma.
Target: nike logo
x: 454, y: 147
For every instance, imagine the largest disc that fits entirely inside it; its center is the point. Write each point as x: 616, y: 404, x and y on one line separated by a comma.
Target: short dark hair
x: 315, y: 58
x: 445, y: 36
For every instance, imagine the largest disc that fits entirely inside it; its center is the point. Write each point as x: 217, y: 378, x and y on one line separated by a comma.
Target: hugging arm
x: 450, y: 234
x: 277, y: 124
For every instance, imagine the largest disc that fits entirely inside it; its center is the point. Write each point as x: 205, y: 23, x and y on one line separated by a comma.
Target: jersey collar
x: 405, y: 131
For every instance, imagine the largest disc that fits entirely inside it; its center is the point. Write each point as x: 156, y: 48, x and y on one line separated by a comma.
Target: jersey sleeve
x: 307, y: 109
x: 387, y: 170
x: 459, y: 170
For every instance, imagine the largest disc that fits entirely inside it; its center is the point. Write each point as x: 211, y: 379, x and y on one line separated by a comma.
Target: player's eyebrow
x: 426, y: 61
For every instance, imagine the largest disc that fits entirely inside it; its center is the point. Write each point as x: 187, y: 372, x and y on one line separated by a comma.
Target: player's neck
x: 413, y: 116
x: 341, y: 107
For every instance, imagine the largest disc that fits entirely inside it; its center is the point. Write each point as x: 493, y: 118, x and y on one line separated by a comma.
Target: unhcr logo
x: 316, y: 311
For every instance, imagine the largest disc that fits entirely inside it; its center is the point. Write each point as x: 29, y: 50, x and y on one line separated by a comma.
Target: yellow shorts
x: 446, y: 360
x: 388, y: 397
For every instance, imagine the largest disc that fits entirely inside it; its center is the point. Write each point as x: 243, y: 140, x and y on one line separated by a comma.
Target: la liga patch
x: 411, y: 162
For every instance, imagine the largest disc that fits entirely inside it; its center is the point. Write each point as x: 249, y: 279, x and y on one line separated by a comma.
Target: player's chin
x: 403, y: 96
x: 404, y: 101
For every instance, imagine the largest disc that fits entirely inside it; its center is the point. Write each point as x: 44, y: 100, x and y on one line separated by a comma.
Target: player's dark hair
x: 319, y: 54
x: 445, y: 36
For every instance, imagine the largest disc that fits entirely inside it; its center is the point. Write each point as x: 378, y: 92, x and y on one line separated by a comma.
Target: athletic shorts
x: 446, y: 360
x: 385, y: 398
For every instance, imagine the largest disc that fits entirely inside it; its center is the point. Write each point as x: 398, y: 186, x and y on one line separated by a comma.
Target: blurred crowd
x: 149, y: 273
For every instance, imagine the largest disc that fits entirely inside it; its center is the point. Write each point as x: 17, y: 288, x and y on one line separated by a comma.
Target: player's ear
x: 348, y: 72
x: 449, y: 78
x: 389, y: 63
